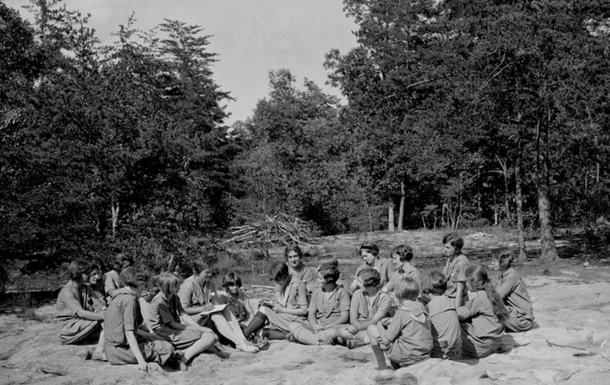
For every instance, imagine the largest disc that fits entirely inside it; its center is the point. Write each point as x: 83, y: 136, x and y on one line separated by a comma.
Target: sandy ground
x: 567, y: 346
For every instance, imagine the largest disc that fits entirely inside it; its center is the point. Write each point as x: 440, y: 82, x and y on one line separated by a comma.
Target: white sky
x: 251, y: 37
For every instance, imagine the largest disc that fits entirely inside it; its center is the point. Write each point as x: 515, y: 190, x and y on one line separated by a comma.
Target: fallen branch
x: 261, y: 287
x: 275, y: 230
x: 552, y: 344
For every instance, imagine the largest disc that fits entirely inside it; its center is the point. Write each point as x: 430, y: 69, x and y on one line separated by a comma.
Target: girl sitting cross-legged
x: 289, y: 305
x: 370, y: 254
x: 196, y: 299
x: 444, y: 321
x: 75, y: 309
x: 369, y: 306
x: 126, y: 343
x: 455, y: 269
x: 112, y: 280
x: 235, y: 299
x: 513, y: 292
x: 329, y: 308
x: 98, y: 300
x: 294, y: 260
x: 406, y: 337
x: 403, y: 268
x: 169, y: 321
x: 482, y: 316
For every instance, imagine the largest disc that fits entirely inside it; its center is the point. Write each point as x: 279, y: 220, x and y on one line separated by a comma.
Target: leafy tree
x: 294, y: 161
x: 461, y: 80
x: 543, y: 73
x: 118, y: 148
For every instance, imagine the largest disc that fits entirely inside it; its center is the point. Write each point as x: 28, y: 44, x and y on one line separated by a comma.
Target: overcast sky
x: 251, y: 37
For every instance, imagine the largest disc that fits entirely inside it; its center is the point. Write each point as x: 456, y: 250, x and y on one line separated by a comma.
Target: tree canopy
x: 455, y: 113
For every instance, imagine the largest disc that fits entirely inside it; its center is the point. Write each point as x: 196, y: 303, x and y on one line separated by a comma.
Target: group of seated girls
x: 453, y: 314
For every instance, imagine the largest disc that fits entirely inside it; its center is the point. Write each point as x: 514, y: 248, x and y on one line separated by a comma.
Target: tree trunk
x: 102, y: 222
x: 504, y: 167
x: 597, y: 174
x: 401, y: 210
x: 391, y: 227
x: 547, y: 238
x: 459, y: 214
x: 114, y: 208
x: 368, y: 209
x: 519, y: 196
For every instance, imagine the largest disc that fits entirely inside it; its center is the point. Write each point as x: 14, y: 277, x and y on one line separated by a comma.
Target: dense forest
x: 458, y: 113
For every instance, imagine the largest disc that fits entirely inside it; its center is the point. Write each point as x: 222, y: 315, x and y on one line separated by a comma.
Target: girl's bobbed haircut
x: 455, y: 241
x: 186, y: 269
x: 369, y: 247
x: 231, y: 279
x: 436, y: 283
x: 99, y: 263
x: 505, y: 257
x: 328, y: 261
x: 404, y: 252
x: 166, y: 282
x: 96, y: 266
x: 279, y: 272
x: 130, y: 276
x: 200, y: 265
x: 77, y: 268
x: 293, y: 247
x: 119, y: 260
x: 370, y: 277
x: 329, y: 274
x: 406, y: 288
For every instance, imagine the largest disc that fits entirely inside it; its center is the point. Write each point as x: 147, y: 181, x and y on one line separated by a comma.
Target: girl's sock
x: 257, y: 322
x: 381, y: 364
x: 274, y: 334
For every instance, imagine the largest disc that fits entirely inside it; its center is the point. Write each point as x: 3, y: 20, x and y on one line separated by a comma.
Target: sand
x: 568, y: 345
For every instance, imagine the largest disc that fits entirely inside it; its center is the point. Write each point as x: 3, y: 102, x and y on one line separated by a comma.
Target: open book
x: 213, y: 309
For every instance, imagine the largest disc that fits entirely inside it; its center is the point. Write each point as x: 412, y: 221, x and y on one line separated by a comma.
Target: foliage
x: 439, y: 91
x: 124, y: 147
x: 113, y: 147
x: 295, y: 161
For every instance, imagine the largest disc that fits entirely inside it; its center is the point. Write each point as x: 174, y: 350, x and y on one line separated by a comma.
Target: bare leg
x: 373, y: 333
x: 98, y: 353
x: 224, y: 328
x: 206, y: 341
x: 227, y: 325
x: 101, y: 341
x: 230, y: 317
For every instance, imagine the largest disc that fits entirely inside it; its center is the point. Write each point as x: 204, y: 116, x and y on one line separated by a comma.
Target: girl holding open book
x: 199, y: 301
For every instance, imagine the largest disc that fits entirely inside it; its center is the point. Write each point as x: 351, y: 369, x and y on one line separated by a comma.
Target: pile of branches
x: 275, y: 231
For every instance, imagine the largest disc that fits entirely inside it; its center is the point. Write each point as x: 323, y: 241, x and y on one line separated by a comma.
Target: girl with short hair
x: 198, y: 300
x: 405, y: 337
x: 289, y: 305
x: 455, y: 268
x: 169, y: 321
x: 75, y: 311
x: 513, y: 292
